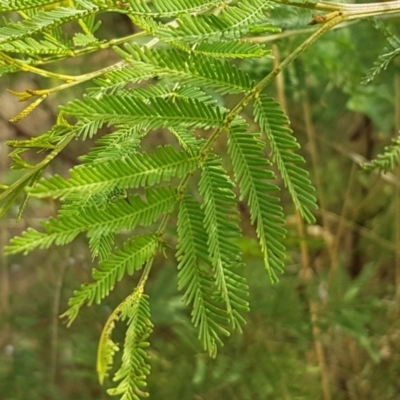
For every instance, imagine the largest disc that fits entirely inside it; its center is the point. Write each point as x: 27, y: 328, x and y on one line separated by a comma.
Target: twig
x: 55, y: 318
x: 397, y: 189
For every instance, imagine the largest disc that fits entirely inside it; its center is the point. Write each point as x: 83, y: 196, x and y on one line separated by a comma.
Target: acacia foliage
x: 183, y: 67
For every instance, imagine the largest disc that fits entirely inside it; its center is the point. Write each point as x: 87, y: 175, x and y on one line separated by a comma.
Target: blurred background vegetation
x: 329, y: 330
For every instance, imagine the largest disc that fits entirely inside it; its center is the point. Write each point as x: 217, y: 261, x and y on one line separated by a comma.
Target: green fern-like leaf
x: 135, y: 365
x: 156, y: 113
x: 16, y: 5
x: 221, y: 221
x: 83, y: 40
x: 232, y: 23
x: 107, y: 347
x: 32, y: 46
x: 116, y: 146
x: 390, y: 54
x: 252, y: 174
x: 233, y: 49
x: 133, y: 171
x: 193, y: 69
x: 43, y: 21
x: 381, y: 64
x: 187, y: 140
x: 115, y: 217
x: 275, y: 125
x: 388, y: 160
x: 122, y: 262
x: 170, y: 8
x: 119, y: 76
x: 101, y: 245
x: 180, y: 65
x: 195, y: 277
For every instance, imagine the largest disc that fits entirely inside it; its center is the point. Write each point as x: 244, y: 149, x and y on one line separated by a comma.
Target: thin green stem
x: 289, y: 59
x: 145, y: 273
x: 289, y: 33
x: 350, y: 11
x: 30, y: 68
x: 269, y: 78
x: 78, y: 80
x: 24, y: 180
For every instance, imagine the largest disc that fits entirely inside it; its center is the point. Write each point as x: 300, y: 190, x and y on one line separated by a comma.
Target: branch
x: 349, y: 11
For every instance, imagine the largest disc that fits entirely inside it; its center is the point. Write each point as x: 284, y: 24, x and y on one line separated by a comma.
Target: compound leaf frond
x: 233, y: 49
x: 232, y: 23
x: 113, y: 218
x: 221, y: 221
x: 252, y: 173
x: 135, y: 360
x: 116, y: 145
x: 274, y: 124
x: 388, y: 160
x: 133, y: 171
x: 134, y: 254
x: 208, y: 313
x: 170, y: 8
x: 194, y: 69
x: 43, y: 21
x: 126, y: 109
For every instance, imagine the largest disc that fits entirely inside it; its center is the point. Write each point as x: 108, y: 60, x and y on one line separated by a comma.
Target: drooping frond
x: 232, y: 23
x: 126, y: 261
x: 107, y: 347
x: 221, y: 221
x: 131, y: 376
x: 275, y: 125
x: 388, y: 160
x: 114, y: 217
x: 133, y: 171
x: 252, y: 173
x: 101, y: 245
x: 381, y: 64
x: 156, y: 113
x: 184, y: 50
x: 194, y: 276
x: 390, y: 54
x: 193, y: 69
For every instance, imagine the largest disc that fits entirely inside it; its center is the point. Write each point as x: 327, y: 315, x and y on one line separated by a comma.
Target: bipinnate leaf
x: 134, y: 171
x: 387, y: 160
x: 195, y: 276
x: 131, y: 376
x: 116, y: 216
x: 128, y: 109
x: 254, y: 177
x: 120, y: 263
x: 275, y: 126
x: 221, y: 221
